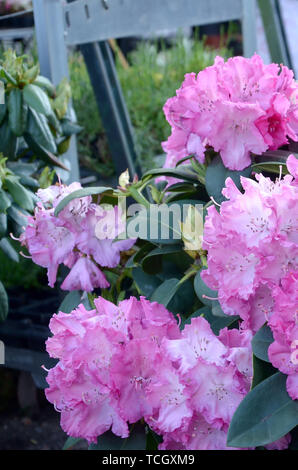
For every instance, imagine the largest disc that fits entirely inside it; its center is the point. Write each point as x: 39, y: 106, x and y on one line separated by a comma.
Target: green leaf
x: 37, y: 99
x: 261, y: 342
x: 152, y: 263
x: 216, y: 176
x: 7, y: 76
x: 3, y: 109
x: 265, y: 414
x: 216, y: 323
x: 261, y: 371
x: 3, y: 224
x: 19, y: 194
x: 43, y: 153
x: 152, y: 440
x: 6, y: 247
x: 46, y: 85
x: 135, y: 441
x: 146, y: 283
x: 8, y: 141
x: 28, y: 181
x: 165, y: 292
x: 70, y: 301
x: 22, y: 169
x: 18, y: 215
x: 201, y: 289
x: 69, y: 127
x: 80, y: 193
x: 5, y: 202
x: 3, y: 303
x: 185, y: 175
x: 71, y: 442
x: 18, y: 112
x: 294, y: 441
x: 39, y: 131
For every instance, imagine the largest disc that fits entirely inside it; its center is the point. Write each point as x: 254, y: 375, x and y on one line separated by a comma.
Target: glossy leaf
x: 165, y: 292
x: 265, y: 414
x: 17, y: 116
x: 216, y: 176
x: 39, y: 131
x: 70, y: 301
x: 37, y: 99
x: 5, y: 202
x: 201, y: 290
x: 19, y: 194
x: 261, y: 342
x: 6, y: 247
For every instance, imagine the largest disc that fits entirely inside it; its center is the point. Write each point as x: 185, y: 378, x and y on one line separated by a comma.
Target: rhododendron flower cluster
x: 72, y: 238
x: 237, y: 107
x: 118, y: 364
x: 283, y: 352
x: 252, y: 248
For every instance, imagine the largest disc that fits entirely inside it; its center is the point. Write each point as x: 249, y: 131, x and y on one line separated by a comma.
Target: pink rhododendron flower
x: 283, y: 352
x: 252, y: 244
x: 77, y: 238
x: 238, y: 107
x: 120, y: 364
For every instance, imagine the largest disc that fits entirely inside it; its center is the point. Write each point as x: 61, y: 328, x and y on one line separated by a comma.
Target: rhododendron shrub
x: 186, y: 340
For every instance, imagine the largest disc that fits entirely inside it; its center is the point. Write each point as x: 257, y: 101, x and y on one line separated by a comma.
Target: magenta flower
x: 238, y: 107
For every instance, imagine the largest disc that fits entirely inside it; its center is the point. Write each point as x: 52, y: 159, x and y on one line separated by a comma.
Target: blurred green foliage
x: 154, y: 74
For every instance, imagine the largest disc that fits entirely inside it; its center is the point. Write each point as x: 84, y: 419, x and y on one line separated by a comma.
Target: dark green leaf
x: 70, y: 442
x: 294, y: 441
x: 28, y: 181
x: 3, y: 224
x: 3, y: 303
x: 216, y: 176
x: 18, y: 111
x: 70, y: 301
x: 146, y: 283
x: 5, y: 202
x: 69, y: 127
x: 39, y: 131
x: 3, y: 109
x: 265, y: 414
x: 201, y: 289
x: 80, y: 193
x: 22, y: 169
x: 135, y: 441
x: 152, y: 263
x: 37, y: 99
x: 6, y: 247
x: 18, y: 215
x: 261, y: 342
x: 261, y: 371
x: 165, y: 292
x: 8, y: 141
x: 43, y: 153
x: 19, y: 194
x: 184, y: 174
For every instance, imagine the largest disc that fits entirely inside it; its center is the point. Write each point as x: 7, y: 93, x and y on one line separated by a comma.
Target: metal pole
x: 52, y: 53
